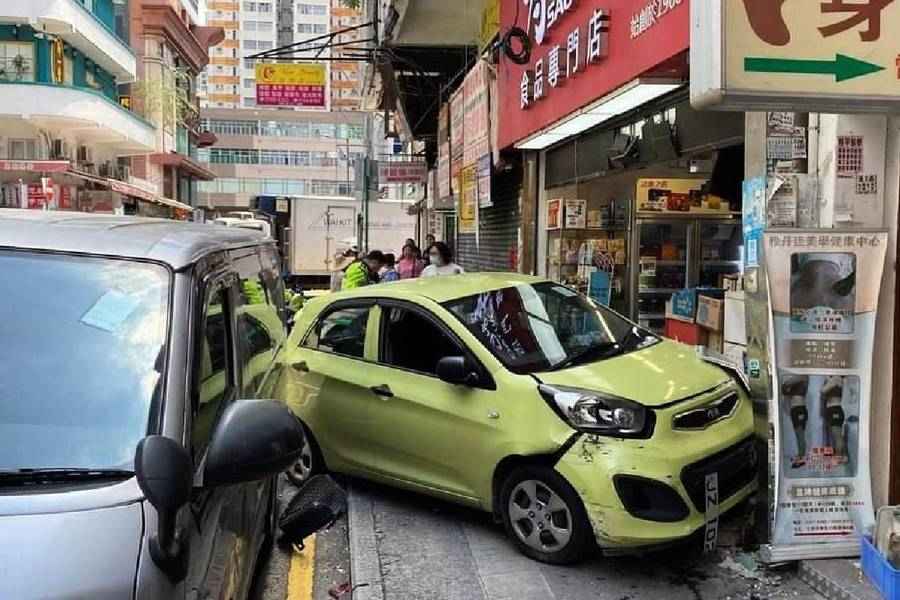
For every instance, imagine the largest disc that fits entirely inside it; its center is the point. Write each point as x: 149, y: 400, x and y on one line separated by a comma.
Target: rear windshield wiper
x: 60, y: 475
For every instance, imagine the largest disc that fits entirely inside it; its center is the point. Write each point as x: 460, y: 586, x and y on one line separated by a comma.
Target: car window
x: 214, y: 379
x: 342, y: 331
x: 542, y: 326
x: 412, y: 341
x: 259, y: 318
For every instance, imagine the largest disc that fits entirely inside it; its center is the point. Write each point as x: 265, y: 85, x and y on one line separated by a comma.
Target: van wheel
x: 544, y: 516
x: 310, y: 462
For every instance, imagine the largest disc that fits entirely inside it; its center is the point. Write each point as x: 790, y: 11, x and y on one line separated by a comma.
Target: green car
x: 521, y: 397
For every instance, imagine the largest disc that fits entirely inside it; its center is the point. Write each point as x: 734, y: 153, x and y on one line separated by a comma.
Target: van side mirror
x: 164, y: 471
x: 254, y: 440
x: 456, y: 370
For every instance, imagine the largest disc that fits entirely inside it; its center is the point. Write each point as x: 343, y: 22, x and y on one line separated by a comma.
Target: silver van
x: 138, y: 450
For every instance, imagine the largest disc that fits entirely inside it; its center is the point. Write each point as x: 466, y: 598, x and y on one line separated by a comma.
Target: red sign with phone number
x: 312, y: 96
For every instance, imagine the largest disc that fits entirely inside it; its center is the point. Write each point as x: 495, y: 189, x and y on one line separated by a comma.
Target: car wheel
x: 310, y: 462
x: 544, y: 516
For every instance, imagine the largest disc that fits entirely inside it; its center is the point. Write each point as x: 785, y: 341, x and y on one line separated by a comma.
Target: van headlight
x: 603, y: 414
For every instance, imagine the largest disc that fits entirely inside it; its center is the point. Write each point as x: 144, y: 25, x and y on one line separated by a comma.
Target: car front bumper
x: 679, y: 460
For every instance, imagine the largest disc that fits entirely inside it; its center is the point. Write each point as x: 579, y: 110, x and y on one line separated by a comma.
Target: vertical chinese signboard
x: 457, y: 136
x: 829, y: 55
x: 824, y: 288
x: 468, y: 203
x: 477, y: 129
x: 444, y: 180
x: 290, y: 85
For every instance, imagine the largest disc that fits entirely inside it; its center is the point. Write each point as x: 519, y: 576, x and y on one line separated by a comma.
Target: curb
x: 365, y: 566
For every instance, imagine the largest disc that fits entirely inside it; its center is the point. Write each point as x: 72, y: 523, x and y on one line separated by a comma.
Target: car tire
x: 544, y: 516
x: 310, y: 462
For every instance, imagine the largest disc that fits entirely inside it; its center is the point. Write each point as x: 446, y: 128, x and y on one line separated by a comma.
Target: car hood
x: 68, y: 555
x: 661, y: 374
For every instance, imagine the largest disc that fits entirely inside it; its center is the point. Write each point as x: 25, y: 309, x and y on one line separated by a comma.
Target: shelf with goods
x: 574, y: 254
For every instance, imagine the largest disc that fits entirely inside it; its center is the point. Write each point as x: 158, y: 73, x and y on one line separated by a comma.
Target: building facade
x: 63, y: 127
x: 280, y: 153
x: 172, y: 49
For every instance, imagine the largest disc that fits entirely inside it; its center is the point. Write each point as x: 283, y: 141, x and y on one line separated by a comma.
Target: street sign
x: 816, y: 56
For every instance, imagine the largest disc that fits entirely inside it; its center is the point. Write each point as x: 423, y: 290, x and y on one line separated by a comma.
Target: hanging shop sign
x: 290, y: 85
x: 677, y: 196
x: 457, y: 133
x: 829, y: 56
x: 390, y: 172
x: 476, y: 120
x: 582, y: 51
x: 467, y: 211
x: 443, y: 172
x: 824, y: 288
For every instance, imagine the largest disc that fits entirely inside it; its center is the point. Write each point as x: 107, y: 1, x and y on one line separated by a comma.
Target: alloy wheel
x: 539, y: 517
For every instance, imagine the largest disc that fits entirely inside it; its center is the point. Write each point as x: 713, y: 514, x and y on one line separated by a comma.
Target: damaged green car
x: 519, y: 396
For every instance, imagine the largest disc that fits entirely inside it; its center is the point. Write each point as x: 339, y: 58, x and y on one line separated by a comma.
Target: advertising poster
x: 484, y: 181
x: 468, y: 205
x: 443, y: 171
x: 754, y: 219
x: 290, y: 85
x: 576, y: 214
x: 476, y: 121
x: 823, y: 287
x: 554, y: 214
x: 457, y: 132
x: 677, y: 196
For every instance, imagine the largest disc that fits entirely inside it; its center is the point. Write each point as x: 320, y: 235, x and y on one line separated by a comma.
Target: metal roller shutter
x: 498, y: 239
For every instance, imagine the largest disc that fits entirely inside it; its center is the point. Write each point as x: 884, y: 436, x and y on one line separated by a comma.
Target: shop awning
x: 184, y: 163
x: 132, y: 190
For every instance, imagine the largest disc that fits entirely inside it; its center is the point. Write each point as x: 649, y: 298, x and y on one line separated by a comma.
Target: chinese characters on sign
x: 567, y: 60
x: 849, y: 155
x: 402, y: 172
x: 771, y: 27
x: 648, y: 16
x: 290, y: 85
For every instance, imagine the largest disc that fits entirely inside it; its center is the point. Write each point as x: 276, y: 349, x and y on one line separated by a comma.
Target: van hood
x: 661, y: 374
x: 68, y: 555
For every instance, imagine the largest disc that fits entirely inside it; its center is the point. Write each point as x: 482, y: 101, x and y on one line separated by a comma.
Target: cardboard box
x: 736, y: 353
x: 684, y: 304
x: 671, y: 315
x: 710, y: 313
x: 686, y: 333
x: 735, y: 318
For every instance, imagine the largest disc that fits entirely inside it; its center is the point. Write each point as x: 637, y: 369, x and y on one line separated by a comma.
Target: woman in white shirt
x: 441, y: 262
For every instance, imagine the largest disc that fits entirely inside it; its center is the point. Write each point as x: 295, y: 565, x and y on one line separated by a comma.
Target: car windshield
x: 546, y: 326
x: 81, y: 359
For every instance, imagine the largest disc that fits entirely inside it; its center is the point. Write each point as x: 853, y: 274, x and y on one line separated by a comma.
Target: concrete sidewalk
x: 409, y: 547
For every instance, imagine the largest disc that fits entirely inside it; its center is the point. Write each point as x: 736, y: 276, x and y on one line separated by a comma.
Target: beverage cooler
x: 671, y: 252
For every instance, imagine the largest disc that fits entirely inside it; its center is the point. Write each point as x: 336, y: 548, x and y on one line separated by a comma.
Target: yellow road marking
x: 300, y: 577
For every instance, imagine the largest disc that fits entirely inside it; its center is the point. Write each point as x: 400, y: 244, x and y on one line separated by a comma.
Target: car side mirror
x: 254, y: 440
x: 456, y: 370
x: 164, y: 471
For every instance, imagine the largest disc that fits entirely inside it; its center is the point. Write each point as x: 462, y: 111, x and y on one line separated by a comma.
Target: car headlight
x: 593, y: 412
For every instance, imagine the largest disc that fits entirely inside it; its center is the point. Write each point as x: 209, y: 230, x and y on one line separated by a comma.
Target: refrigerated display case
x: 670, y: 253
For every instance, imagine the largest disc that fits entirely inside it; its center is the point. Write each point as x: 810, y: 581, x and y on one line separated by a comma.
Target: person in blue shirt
x: 389, y: 273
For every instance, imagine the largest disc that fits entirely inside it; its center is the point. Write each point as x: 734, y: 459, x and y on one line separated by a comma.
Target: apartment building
x: 281, y: 153
x: 346, y: 84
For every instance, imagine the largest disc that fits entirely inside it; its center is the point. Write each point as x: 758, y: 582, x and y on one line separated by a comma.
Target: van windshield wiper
x: 60, y: 475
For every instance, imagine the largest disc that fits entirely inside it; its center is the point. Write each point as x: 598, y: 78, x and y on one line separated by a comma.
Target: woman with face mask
x: 440, y: 259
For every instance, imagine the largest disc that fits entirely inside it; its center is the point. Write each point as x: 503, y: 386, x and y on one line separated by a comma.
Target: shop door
x: 660, y: 267
x: 718, y: 250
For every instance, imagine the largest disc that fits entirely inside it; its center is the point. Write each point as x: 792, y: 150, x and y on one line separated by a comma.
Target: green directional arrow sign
x: 842, y: 67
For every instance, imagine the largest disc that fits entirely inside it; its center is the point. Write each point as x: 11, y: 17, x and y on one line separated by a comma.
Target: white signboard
x: 823, y: 56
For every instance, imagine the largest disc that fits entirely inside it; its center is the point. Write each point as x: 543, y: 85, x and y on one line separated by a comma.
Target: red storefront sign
x: 35, y: 166
x: 310, y: 96
x: 582, y: 51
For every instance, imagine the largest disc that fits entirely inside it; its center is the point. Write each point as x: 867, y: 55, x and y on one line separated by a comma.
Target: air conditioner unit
x: 106, y: 169
x: 123, y: 173
x: 59, y: 150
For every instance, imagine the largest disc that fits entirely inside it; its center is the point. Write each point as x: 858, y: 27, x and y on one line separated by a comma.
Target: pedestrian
x: 429, y: 242
x: 410, y: 265
x: 388, y: 272
x: 363, y: 271
x: 341, y: 262
x: 441, y: 258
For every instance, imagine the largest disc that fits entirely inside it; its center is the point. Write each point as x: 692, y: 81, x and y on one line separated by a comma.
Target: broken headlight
x: 593, y: 412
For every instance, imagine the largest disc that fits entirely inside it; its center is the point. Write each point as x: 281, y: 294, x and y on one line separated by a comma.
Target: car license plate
x: 711, y: 535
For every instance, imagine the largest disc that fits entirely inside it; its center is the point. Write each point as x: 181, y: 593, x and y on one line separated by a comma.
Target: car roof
x: 439, y: 289
x: 176, y: 243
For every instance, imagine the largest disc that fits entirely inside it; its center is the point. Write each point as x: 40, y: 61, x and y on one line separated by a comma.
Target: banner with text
x: 290, y: 85
x: 824, y: 288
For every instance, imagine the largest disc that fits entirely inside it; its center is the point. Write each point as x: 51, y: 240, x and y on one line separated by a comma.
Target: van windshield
x: 81, y: 359
x: 546, y: 326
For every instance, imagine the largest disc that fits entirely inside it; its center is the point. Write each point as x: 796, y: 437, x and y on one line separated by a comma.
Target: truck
x: 322, y: 227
